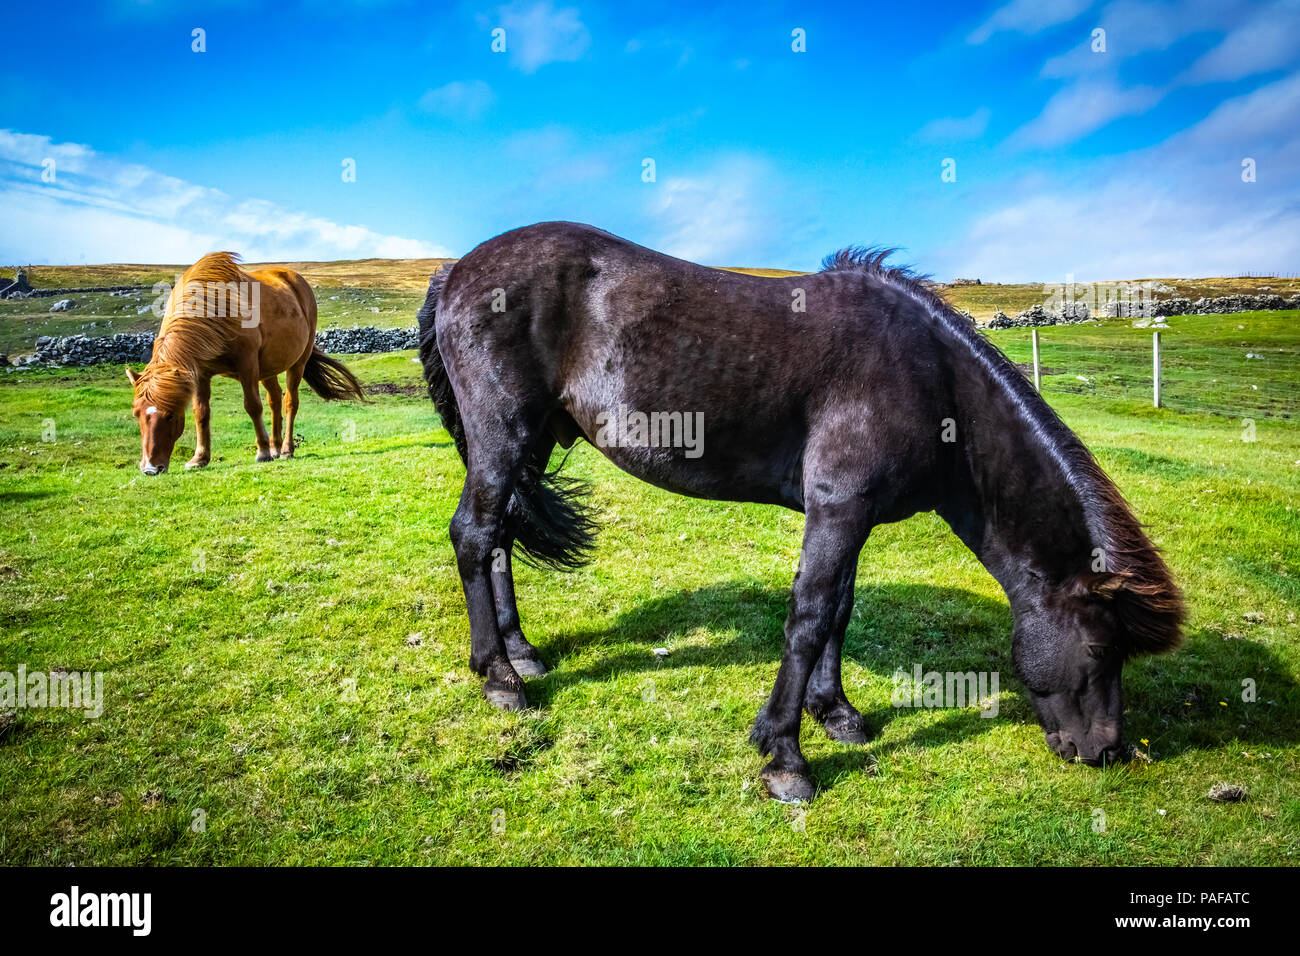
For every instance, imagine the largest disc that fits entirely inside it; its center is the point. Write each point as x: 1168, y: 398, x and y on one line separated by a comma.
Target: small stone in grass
x: 660, y: 652
x: 1254, y: 617
x: 1227, y: 793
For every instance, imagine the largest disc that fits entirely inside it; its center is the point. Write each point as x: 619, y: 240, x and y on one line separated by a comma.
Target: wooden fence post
x: 1037, y: 382
x: 1155, y: 367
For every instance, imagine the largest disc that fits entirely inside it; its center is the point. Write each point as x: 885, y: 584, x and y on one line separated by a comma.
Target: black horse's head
x: 1070, y: 645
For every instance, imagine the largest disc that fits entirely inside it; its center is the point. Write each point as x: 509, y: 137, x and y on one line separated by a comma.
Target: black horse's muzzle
x: 1065, y: 747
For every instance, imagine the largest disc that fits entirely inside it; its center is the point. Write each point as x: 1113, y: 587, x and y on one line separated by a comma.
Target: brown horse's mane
x: 186, y: 340
x: 1150, y: 603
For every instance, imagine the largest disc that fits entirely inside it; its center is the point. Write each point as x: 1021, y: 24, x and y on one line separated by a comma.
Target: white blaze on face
x: 145, y: 464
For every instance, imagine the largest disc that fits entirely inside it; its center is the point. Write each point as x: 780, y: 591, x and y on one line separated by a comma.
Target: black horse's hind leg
x: 525, y: 659
x: 833, y: 536
x: 476, y: 531
x: 825, y: 699
x: 523, y: 656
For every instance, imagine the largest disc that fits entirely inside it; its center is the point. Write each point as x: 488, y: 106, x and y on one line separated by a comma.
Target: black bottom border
x: 237, y: 905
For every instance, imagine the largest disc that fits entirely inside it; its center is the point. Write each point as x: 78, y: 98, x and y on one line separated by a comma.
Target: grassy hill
x: 387, y: 292
x: 983, y: 300
x: 404, y: 274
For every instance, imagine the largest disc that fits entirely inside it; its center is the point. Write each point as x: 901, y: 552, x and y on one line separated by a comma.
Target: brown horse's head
x: 161, y: 393
x: 1070, y: 647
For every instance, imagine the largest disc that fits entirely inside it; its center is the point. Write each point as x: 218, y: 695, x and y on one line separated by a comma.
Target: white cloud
x: 1267, y: 42
x: 460, y: 99
x: 538, y: 34
x: 1253, y: 40
x: 1178, y: 208
x: 1263, y: 118
x: 99, y: 209
x: 953, y: 128
x: 1028, y: 16
x: 1126, y: 231
x: 714, y: 217
x: 1081, y: 108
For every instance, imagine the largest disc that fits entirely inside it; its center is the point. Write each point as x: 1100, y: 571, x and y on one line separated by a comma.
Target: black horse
x: 854, y: 395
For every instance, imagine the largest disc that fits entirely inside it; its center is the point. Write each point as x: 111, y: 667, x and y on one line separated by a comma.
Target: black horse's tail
x: 546, y: 514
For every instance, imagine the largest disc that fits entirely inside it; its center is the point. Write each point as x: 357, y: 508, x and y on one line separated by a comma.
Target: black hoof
x: 850, y: 729
x: 785, y: 786
x: 528, y: 667
x: 505, y: 698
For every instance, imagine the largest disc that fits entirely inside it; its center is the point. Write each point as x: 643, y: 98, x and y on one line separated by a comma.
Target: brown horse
x: 250, y: 326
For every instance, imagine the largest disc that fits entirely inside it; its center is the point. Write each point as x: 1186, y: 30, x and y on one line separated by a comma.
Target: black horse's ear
x: 1104, y: 585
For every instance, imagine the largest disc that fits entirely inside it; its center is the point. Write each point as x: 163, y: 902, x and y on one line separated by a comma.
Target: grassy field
x: 285, y: 646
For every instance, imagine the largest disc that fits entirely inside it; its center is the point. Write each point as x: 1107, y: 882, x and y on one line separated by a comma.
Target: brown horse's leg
x: 833, y: 535
x: 825, y: 700
x: 202, y: 423
x: 275, y: 398
x: 253, y: 405
x: 292, y: 379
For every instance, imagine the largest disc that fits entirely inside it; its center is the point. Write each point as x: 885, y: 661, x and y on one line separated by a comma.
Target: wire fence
x: 1254, y: 375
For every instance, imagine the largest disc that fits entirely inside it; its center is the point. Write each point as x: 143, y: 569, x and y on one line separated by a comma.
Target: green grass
x: 285, y: 649
x: 1204, y: 362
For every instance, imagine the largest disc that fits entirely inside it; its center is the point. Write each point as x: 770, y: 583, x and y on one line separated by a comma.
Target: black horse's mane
x: 1149, y: 603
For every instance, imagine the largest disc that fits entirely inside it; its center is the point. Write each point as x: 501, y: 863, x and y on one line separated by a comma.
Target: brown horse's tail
x: 547, y: 517
x: 331, y: 379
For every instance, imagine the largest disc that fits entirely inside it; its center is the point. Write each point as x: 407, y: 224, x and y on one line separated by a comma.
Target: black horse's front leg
x: 833, y: 536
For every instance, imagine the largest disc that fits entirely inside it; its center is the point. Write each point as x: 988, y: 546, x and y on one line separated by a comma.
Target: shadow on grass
x: 1186, y: 701
x: 7, y: 497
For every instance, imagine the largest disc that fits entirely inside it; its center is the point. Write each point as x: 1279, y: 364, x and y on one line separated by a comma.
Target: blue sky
x: 1125, y: 163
